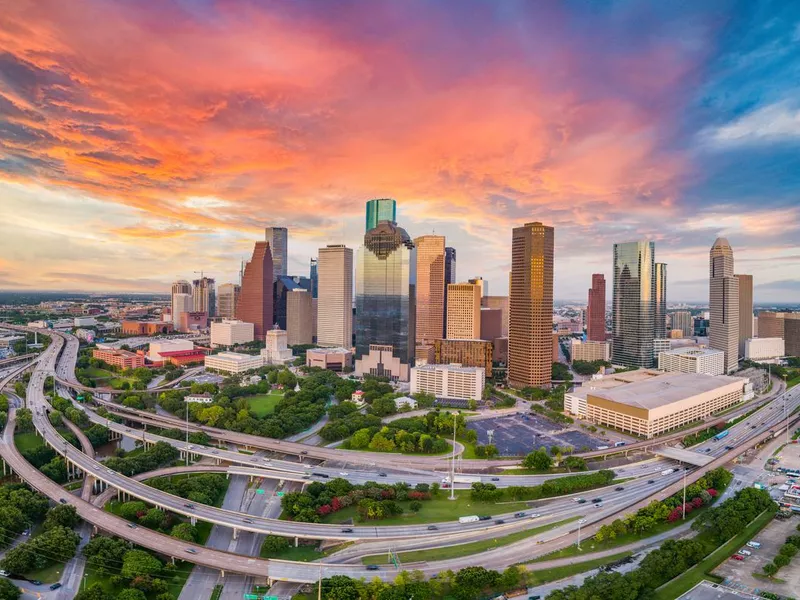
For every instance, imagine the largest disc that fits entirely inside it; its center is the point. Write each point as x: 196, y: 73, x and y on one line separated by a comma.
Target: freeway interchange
x: 60, y: 357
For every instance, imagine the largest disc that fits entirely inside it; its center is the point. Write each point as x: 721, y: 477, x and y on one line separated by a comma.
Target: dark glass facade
x: 314, y: 277
x: 280, y: 288
x: 661, y: 303
x: 385, y: 291
x: 634, y: 304
x: 380, y: 209
x: 449, y: 277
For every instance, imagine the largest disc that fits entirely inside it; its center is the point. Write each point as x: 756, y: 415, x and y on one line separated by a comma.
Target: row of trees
x: 542, y: 460
x: 583, y: 367
x: 206, y: 488
x: 19, y: 508
x: 58, y: 543
x: 488, y: 492
x: 784, y: 556
x: 671, y: 559
x: 156, y: 456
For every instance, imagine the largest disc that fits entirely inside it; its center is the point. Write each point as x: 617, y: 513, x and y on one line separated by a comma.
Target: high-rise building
x: 385, y: 292
x: 335, y: 297
x: 683, y: 322
x: 180, y: 287
x: 491, y: 323
x: 449, y: 277
x: 380, y: 209
x: 463, y: 311
x: 430, y: 287
x: 314, y: 277
x: 278, y: 240
x: 791, y: 333
x: 530, y: 331
x: 482, y: 283
x: 298, y: 317
x: 660, y: 308
x: 181, y: 305
x: 500, y: 302
x: 280, y: 289
x: 255, y: 298
x: 770, y: 324
x: 204, y: 297
x: 227, y: 297
x: 723, y: 303
x: 596, y: 310
x: 745, y: 310
x: 633, y: 305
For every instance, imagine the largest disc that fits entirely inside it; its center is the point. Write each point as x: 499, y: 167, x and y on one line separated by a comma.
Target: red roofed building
x: 183, y: 357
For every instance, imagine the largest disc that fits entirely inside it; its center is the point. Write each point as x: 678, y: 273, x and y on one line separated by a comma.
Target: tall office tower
x: 499, y: 302
x: 280, y: 291
x: 530, y: 330
x: 298, y: 317
x: 463, y: 311
x: 771, y: 324
x: 180, y: 287
x: 430, y: 288
x: 181, y: 305
x: 227, y: 297
x: 204, y: 296
x: 255, y: 298
x: 682, y: 320
x: 633, y: 304
x: 660, y: 312
x: 380, y: 209
x: 278, y: 240
x: 484, y: 285
x: 385, y: 291
x: 596, y: 310
x: 335, y: 297
x: 723, y: 288
x: 312, y: 275
x: 745, y: 310
x: 449, y: 277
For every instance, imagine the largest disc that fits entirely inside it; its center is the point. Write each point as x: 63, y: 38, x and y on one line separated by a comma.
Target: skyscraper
x: 298, y: 317
x: 596, y: 310
x: 745, y: 310
x: 449, y: 277
x: 255, y: 298
x: 278, y: 240
x: 464, y: 311
x: 660, y: 307
x: 682, y: 320
x: 181, y: 305
x: 204, y: 297
x: 723, y: 287
x: 430, y: 287
x: 183, y: 287
x: 312, y: 274
x: 530, y: 331
x: 380, y: 209
x: 280, y: 291
x: 335, y: 297
x: 385, y: 291
x: 482, y: 283
x: 633, y: 305
x: 227, y: 297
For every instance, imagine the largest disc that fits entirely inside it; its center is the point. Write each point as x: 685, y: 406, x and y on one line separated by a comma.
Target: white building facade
x: 233, y: 362
x: 764, y: 348
x: 449, y: 381
x: 277, y: 351
x: 230, y: 332
x: 693, y: 360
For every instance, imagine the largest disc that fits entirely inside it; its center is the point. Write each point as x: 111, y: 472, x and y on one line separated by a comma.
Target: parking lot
x: 516, y: 435
x: 205, y: 378
x: 789, y: 457
x: 739, y: 574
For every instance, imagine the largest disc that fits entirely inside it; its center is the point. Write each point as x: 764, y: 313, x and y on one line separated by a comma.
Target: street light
x: 453, y: 465
x: 581, y: 522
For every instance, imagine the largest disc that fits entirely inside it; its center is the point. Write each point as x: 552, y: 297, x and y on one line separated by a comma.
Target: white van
x: 755, y: 545
x: 744, y: 552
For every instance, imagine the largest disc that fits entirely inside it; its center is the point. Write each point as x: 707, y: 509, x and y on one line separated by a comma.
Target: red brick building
x: 255, y: 297
x: 596, y: 310
x: 119, y: 358
x: 184, y: 357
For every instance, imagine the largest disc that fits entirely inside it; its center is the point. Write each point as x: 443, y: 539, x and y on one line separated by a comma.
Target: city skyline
x: 106, y: 193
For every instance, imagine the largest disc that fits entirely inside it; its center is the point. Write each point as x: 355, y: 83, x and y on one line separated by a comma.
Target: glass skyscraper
x: 634, y: 304
x: 380, y: 209
x: 385, y: 291
x: 660, y: 313
x: 278, y: 239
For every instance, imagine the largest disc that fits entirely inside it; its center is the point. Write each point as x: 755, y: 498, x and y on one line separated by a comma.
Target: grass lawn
x: 556, y: 573
x: 301, y: 553
x: 175, y: 580
x: 50, y: 574
x: 27, y: 441
x: 435, y: 510
x: 690, y: 578
x: 463, y: 549
x: 262, y: 405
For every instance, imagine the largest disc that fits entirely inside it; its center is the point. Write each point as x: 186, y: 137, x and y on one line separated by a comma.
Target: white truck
x: 469, y: 519
x: 462, y: 479
x: 667, y: 471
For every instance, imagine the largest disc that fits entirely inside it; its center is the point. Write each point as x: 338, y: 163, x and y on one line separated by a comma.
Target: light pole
x: 453, y: 464
x: 684, y: 494
x: 186, y: 404
x: 785, y: 413
x: 580, y: 522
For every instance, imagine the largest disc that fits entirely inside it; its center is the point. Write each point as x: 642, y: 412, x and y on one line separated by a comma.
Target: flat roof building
x: 277, y: 350
x: 470, y: 353
x: 380, y: 361
x: 146, y: 327
x: 119, y: 358
x: 333, y: 359
x: 590, y: 350
x: 464, y: 311
x: 450, y: 382
x: 233, y: 362
x: 693, y: 360
x: 764, y: 348
x: 230, y: 332
x: 156, y: 347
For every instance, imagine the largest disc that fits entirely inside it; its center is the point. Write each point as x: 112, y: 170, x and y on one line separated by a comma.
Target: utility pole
x: 785, y: 413
x: 319, y: 589
x: 186, y: 404
x: 580, y: 522
x: 453, y: 464
x: 684, y: 494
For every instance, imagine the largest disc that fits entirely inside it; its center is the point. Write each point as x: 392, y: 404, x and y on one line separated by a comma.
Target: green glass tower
x: 380, y: 209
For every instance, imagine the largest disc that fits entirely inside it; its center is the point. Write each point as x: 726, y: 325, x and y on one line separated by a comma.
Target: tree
x: 154, y: 518
x: 131, y: 594
x: 538, y: 460
x: 139, y: 562
x: 770, y: 569
x: 341, y: 587
x: 95, y: 592
x: 184, y: 531
x: 8, y: 591
x: 781, y: 560
x: 273, y: 545
x: 415, y: 506
x: 63, y: 515
x: 19, y: 560
x: 131, y: 510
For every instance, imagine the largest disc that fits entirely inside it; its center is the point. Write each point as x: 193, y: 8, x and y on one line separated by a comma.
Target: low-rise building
x: 84, y: 322
x: 333, y: 359
x: 230, y: 332
x: 146, y: 327
x: 86, y: 335
x: 204, y: 398
x: 159, y: 346
x: 590, y: 351
x: 449, y: 382
x: 405, y: 402
x: 764, y: 348
x: 381, y: 362
x: 693, y: 360
x: 357, y: 398
x: 119, y: 358
x: 233, y: 362
x: 277, y: 351
x: 181, y: 358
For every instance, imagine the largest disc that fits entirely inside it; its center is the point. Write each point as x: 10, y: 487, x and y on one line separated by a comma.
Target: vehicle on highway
x: 187, y: 505
x: 499, y: 521
x: 468, y: 519
x: 596, y: 500
x: 36, y: 582
x: 372, y: 567
x: 323, y: 475
x: 484, y: 517
x: 599, y: 505
x: 495, y: 479
x: 432, y: 528
x: 344, y: 473
x: 578, y: 499
x: 63, y: 500
x: 132, y: 525
x: 304, y: 452
x: 651, y: 481
x: 619, y: 444
x: 721, y: 435
x: 667, y: 471
x: 619, y: 488
x: 347, y: 530
x: 519, y: 515
x: 581, y: 500
x: 215, y: 452
x: 535, y: 515
x: 248, y: 520
x: 191, y: 551
x: 381, y: 474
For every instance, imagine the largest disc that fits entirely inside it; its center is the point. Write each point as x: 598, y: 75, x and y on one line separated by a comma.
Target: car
x: 707, y: 450
x: 596, y: 500
x: 344, y: 473
x: 4, y: 573
x: 619, y: 488
x: 26, y: 532
x: 191, y: 447
x: 535, y: 515
x: 381, y: 474
x: 372, y: 567
x: 484, y: 517
x: 127, y: 429
x: 347, y: 530
x: 63, y: 500
x: 97, y: 467
x: 432, y: 528
x: 499, y: 521
x: 304, y: 453
x: 132, y: 525
x: 187, y: 505
x: 581, y: 501
x: 255, y: 460
x: 55, y: 586
x: 215, y: 452
x: 578, y: 500
x: 599, y: 505
x: 495, y: 479
x: 36, y: 582
x: 651, y: 481
x: 519, y: 515
x: 306, y: 477
x: 728, y: 447
x: 247, y: 520
x: 737, y: 557
x: 191, y: 551
x: 752, y: 426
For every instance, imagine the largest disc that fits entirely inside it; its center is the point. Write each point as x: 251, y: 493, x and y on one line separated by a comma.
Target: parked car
x: 737, y: 557
x: 372, y: 567
x: 55, y: 586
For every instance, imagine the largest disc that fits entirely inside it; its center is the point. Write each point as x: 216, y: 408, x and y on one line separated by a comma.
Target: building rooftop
x: 339, y: 350
x: 694, y: 351
x: 236, y: 356
x: 450, y: 367
x: 665, y: 389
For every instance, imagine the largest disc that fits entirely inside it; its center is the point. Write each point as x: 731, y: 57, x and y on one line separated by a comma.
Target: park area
x: 106, y: 378
x: 262, y: 405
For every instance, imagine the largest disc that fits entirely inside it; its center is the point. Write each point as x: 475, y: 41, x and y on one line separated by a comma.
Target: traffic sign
x: 251, y: 597
x: 280, y: 494
x: 259, y: 491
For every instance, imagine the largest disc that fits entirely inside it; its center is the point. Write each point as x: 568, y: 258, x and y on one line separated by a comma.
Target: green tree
x: 8, y: 591
x: 131, y: 510
x: 63, y: 515
x: 154, y: 518
x: 538, y: 460
x: 139, y: 562
x: 184, y: 531
x: 131, y: 594
x: 95, y: 592
x: 781, y: 560
x: 770, y: 569
x: 273, y: 545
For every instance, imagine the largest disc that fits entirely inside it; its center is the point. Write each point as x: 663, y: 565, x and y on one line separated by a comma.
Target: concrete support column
x: 235, y: 533
x: 222, y: 573
x: 193, y: 520
x: 296, y: 542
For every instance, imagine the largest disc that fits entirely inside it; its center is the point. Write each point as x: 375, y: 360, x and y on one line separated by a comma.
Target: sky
x: 144, y: 140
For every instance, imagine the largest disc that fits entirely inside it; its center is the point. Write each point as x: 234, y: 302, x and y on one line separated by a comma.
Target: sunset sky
x: 142, y: 140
